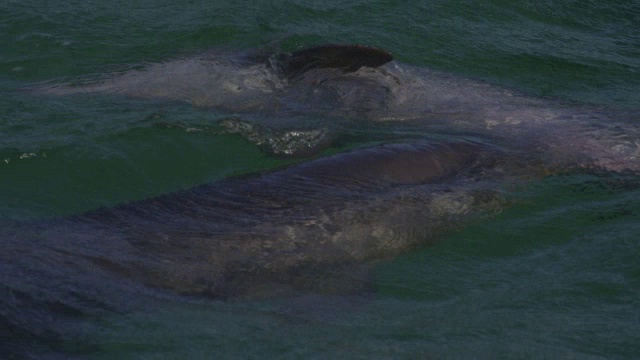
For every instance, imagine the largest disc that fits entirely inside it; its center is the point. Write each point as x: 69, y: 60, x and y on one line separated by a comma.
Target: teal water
x: 554, y: 275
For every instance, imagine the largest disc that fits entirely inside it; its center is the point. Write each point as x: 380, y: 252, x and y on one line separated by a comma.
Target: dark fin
x: 346, y: 57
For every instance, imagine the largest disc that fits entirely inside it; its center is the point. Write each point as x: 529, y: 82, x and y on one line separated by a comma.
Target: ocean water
x: 554, y: 275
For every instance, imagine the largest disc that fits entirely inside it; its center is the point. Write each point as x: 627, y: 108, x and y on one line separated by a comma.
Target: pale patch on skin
x: 312, y: 227
x: 393, y: 92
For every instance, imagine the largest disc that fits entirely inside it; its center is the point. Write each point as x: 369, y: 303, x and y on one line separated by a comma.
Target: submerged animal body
x: 314, y: 226
x: 354, y: 82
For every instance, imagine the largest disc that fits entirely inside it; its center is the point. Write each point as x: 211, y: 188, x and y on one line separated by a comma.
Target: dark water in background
x: 555, y: 275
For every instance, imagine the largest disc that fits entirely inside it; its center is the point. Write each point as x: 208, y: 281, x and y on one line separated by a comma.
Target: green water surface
x: 555, y: 275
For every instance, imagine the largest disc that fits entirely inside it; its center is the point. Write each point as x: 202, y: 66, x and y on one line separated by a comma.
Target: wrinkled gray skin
x: 313, y: 227
x: 395, y: 92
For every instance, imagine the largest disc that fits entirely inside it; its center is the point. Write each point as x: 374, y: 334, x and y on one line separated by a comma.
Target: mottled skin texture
x: 315, y: 226
x: 337, y: 89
